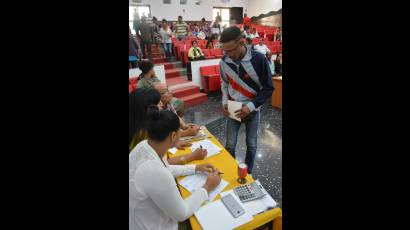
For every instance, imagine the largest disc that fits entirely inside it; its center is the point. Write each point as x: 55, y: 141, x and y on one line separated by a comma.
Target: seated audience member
x: 195, y: 53
x: 147, y: 77
x: 139, y: 101
x: 171, y: 103
x: 154, y: 198
x: 270, y: 62
x: 278, y: 64
x: 278, y: 35
x: 246, y: 33
x: 249, y: 43
x: 195, y: 31
x: 261, y: 47
x: 206, y: 28
x: 255, y: 33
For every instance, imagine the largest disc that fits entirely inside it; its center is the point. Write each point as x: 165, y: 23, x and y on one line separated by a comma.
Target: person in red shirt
x: 246, y: 22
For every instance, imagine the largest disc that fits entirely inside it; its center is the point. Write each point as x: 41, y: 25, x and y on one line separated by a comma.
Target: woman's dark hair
x: 145, y: 66
x: 230, y: 34
x: 139, y: 101
x: 164, y: 20
x: 192, y: 42
x: 161, y: 123
x: 249, y: 40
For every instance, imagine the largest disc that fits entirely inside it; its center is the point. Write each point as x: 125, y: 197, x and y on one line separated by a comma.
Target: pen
x: 200, y: 146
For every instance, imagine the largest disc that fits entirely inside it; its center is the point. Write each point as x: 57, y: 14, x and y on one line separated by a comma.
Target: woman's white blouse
x: 154, y: 199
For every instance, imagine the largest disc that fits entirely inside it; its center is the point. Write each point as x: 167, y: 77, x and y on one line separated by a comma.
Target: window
x: 224, y: 13
x: 143, y: 10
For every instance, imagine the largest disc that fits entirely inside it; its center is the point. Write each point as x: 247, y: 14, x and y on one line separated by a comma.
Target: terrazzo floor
x: 268, y: 162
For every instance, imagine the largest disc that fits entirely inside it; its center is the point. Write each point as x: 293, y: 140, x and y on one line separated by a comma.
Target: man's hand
x: 192, y: 130
x: 205, y: 168
x: 225, y: 110
x: 242, y: 113
x: 182, y: 144
x: 199, y: 154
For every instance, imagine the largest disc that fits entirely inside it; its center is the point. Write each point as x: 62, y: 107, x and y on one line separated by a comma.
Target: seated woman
x: 148, y: 79
x: 195, y: 53
x: 154, y: 198
x: 139, y: 101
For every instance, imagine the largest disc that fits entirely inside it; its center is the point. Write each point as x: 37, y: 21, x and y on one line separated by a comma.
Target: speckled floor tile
x: 268, y: 162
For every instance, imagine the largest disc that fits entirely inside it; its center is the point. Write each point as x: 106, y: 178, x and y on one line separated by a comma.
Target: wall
x: 275, y: 20
x: 192, y: 12
x: 257, y: 7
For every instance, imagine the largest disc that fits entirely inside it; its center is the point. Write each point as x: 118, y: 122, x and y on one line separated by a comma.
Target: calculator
x: 250, y: 191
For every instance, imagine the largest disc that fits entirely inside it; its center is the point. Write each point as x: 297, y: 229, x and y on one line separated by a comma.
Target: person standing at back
x: 136, y: 21
x: 218, y: 18
x: 165, y: 33
x: 147, y: 34
x: 246, y: 78
x: 246, y: 22
x: 133, y: 50
x: 181, y: 29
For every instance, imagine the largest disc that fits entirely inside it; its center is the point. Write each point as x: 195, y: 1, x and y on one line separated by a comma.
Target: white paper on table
x: 197, y: 181
x: 215, y: 216
x: 232, y: 107
x: 210, y: 147
x: 255, y: 207
x: 173, y: 150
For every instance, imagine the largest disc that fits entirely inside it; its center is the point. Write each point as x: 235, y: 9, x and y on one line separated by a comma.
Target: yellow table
x: 228, y: 165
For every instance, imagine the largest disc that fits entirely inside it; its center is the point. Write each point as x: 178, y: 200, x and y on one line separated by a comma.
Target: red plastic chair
x: 214, y: 81
x: 261, y: 34
x: 269, y: 37
x: 217, y: 53
x: 207, y: 53
x: 209, y: 78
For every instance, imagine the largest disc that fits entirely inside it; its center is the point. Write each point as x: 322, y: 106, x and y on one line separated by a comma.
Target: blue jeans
x: 167, y: 49
x: 252, y: 129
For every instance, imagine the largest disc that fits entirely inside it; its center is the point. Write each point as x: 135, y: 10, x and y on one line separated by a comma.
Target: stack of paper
x: 255, y: 207
x: 216, y: 216
x: 232, y: 107
x: 197, y: 181
x: 200, y: 134
x: 210, y: 147
x: 173, y: 150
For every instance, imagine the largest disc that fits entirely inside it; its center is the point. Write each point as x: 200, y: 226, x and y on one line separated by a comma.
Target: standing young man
x: 147, y: 34
x: 181, y: 29
x: 246, y: 78
x: 246, y: 22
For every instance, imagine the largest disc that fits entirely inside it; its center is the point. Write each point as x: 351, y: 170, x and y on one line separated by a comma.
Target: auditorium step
x: 175, y: 72
x: 194, y: 99
x: 186, y: 91
x: 171, y: 65
x: 176, y: 79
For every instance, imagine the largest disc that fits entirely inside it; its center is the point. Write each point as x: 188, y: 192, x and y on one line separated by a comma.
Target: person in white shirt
x: 261, y: 48
x: 166, y: 35
x: 154, y: 199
